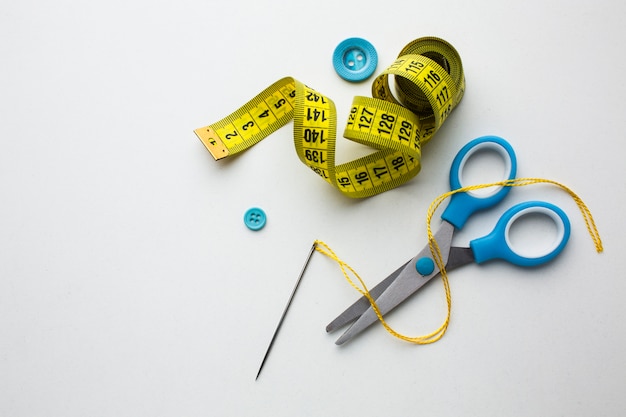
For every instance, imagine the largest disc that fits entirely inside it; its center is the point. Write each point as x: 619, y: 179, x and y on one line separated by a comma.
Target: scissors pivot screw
x: 425, y: 266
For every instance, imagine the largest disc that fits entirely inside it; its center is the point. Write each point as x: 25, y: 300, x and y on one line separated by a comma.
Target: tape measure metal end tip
x: 212, y: 142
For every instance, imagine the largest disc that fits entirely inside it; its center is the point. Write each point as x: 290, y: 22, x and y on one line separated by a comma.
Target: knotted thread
x: 438, y: 256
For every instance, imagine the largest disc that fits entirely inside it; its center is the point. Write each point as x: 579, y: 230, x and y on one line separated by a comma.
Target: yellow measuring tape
x: 429, y: 83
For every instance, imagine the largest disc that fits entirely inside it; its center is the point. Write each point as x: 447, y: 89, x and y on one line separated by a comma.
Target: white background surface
x: 129, y: 285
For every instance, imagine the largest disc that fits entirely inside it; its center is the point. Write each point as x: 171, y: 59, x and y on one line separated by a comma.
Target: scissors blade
x: 459, y: 257
x: 407, y: 283
x: 362, y: 304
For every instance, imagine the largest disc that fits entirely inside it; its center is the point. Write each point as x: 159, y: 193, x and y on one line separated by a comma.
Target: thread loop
x: 437, y: 255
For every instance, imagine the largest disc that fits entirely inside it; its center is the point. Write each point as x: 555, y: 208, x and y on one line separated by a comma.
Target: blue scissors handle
x: 463, y: 205
x: 497, y: 244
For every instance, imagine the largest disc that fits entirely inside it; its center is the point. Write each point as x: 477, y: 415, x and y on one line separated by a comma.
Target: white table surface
x: 129, y: 285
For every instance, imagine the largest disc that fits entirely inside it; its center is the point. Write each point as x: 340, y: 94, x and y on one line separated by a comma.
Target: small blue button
x: 425, y: 266
x: 355, y: 59
x: 255, y: 218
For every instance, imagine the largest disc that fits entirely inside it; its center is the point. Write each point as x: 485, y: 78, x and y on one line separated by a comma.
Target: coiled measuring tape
x: 429, y: 83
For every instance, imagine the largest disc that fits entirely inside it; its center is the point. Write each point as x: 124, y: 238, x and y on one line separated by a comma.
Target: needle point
x: 282, y: 318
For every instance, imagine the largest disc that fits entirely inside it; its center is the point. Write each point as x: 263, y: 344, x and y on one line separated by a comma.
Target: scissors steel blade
x: 457, y: 258
x: 407, y: 282
x: 362, y: 304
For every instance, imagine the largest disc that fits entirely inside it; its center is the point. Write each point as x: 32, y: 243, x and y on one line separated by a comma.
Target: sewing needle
x: 282, y: 318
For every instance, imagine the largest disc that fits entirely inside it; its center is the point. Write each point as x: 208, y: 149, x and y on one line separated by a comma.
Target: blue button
x: 355, y: 59
x: 425, y: 266
x: 255, y: 218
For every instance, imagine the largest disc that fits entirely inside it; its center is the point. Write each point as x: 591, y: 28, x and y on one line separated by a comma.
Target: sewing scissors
x: 412, y: 275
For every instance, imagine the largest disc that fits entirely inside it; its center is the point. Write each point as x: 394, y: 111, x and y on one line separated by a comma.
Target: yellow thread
x: 327, y: 251
x: 438, y: 256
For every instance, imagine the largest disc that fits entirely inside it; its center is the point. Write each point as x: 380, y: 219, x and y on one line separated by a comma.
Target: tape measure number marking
x: 429, y: 84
